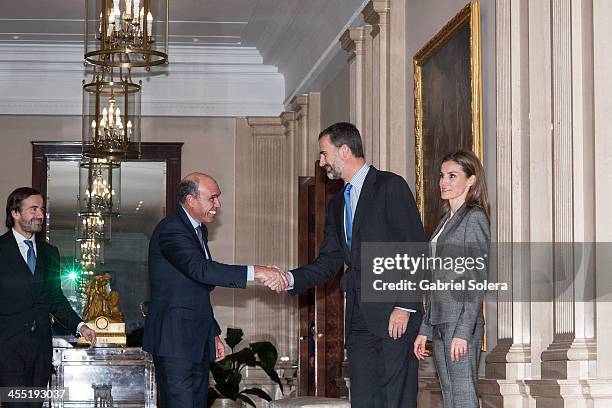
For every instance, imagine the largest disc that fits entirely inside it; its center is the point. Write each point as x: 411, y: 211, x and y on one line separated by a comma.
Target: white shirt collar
x: 20, y: 238
x: 194, y: 223
x: 359, y: 178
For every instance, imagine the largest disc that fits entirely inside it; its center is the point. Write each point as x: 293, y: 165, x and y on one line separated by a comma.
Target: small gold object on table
x: 103, y: 313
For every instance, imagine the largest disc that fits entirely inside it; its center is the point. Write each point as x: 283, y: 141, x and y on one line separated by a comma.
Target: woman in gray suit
x: 454, y: 320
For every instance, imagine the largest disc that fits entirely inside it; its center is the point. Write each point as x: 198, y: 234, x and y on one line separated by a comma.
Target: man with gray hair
x: 180, y: 330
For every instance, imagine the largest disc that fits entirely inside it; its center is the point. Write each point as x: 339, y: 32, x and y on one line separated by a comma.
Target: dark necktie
x: 31, y: 256
x: 202, y: 234
x: 348, y: 214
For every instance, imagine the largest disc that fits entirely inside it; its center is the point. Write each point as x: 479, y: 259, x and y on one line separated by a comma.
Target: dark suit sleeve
x: 182, y: 252
x: 327, y: 264
x: 58, y: 304
x: 404, y: 220
x: 477, y: 241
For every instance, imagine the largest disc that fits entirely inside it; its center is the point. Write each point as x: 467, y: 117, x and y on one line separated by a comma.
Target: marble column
x: 353, y: 42
x: 307, y: 110
x: 376, y: 15
x: 397, y: 147
x: 602, y: 108
x: 511, y: 358
x: 386, y: 64
x: 572, y: 355
x: 541, y: 180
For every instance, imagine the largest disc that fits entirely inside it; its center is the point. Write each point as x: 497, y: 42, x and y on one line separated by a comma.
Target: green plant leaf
x: 231, y: 386
x: 234, y: 336
x: 212, y: 396
x: 246, y: 399
x: 273, y: 376
x: 257, y: 392
x: 267, y: 354
x: 222, y: 373
x: 246, y: 356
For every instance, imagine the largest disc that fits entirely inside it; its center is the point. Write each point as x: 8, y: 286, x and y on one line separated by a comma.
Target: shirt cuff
x: 291, y: 281
x: 250, y: 273
x: 78, y: 332
x: 408, y: 310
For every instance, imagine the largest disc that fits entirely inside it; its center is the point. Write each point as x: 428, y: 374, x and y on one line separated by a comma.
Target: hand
x: 420, y: 351
x: 458, y: 348
x: 89, y: 334
x: 285, y: 274
x: 398, y: 321
x: 272, y: 276
x: 220, y: 349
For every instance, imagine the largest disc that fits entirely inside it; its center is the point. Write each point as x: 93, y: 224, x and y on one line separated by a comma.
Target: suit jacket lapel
x: 365, y: 198
x: 451, y: 223
x: 14, y: 255
x: 439, y: 227
x: 205, y: 240
x: 41, y: 264
x: 338, y: 208
x: 187, y: 224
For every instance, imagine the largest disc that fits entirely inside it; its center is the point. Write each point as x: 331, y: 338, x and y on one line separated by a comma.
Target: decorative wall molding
x: 266, y: 231
x: 200, y: 81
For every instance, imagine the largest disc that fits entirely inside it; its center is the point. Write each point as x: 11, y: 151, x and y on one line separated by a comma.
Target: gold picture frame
x: 447, y: 72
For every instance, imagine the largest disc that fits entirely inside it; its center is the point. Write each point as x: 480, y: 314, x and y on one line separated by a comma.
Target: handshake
x: 273, y: 277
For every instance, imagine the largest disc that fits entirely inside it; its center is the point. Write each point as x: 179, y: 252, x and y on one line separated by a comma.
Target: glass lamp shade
x: 126, y: 33
x: 111, y: 120
x: 99, y: 193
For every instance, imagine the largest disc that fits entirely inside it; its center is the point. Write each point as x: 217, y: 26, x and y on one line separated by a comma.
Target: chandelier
x: 89, y: 251
x: 126, y: 33
x: 99, y: 192
x: 111, y: 116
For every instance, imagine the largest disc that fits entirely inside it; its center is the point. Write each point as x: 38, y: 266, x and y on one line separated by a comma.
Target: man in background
x: 30, y: 292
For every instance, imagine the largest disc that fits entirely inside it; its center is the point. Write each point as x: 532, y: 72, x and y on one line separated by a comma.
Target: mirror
x: 147, y: 185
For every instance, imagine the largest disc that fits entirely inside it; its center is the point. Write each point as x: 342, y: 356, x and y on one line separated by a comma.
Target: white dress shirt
x: 23, y: 247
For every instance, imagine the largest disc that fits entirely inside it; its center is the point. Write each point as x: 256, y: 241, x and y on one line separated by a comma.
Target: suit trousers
x: 458, y: 379
x: 383, y: 371
x: 25, y: 362
x: 182, y: 383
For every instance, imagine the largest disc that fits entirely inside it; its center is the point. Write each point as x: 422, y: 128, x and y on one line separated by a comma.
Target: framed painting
x: 447, y: 104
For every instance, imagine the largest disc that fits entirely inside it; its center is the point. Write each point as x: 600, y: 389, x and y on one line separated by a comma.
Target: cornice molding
x: 200, y: 81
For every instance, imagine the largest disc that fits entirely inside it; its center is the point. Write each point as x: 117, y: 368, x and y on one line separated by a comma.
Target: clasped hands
x: 273, y: 277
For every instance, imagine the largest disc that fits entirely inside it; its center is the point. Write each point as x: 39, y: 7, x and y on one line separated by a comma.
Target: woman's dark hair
x: 13, y: 203
x: 477, y: 195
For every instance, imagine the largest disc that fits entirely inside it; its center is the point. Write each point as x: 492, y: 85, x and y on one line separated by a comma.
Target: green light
x: 72, y: 273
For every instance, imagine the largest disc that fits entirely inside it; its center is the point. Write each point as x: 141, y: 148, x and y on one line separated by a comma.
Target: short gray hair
x: 187, y: 187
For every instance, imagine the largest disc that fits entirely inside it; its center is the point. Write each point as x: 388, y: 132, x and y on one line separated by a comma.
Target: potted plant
x: 227, y: 372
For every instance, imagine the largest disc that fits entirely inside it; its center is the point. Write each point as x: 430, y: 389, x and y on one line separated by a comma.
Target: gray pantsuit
x: 458, y: 312
x: 458, y: 379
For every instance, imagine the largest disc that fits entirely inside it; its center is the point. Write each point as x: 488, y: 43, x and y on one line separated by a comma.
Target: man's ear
x: 344, y: 151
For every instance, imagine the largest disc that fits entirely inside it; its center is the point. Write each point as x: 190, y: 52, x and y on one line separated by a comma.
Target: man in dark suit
x: 180, y: 329
x: 375, y: 206
x: 30, y: 292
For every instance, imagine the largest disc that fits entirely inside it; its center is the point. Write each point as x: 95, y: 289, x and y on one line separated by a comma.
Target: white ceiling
x: 277, y: 28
